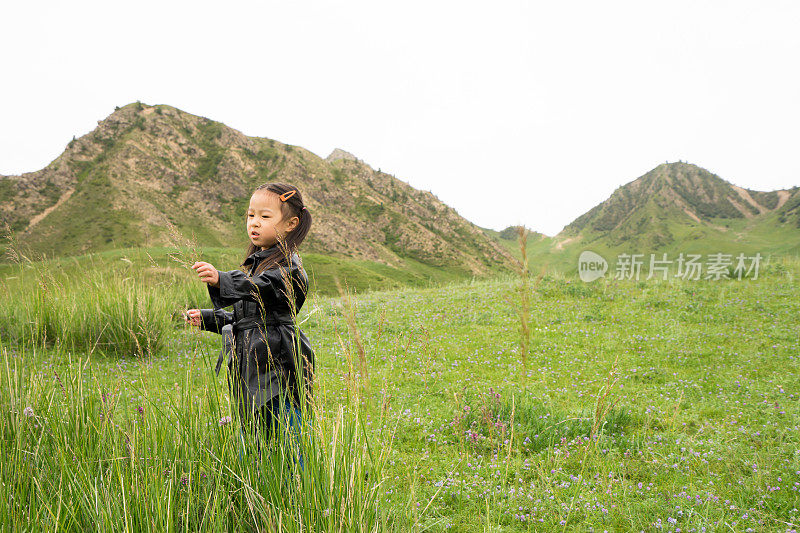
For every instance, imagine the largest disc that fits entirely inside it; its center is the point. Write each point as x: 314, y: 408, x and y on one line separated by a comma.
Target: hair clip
x: 285, y: 196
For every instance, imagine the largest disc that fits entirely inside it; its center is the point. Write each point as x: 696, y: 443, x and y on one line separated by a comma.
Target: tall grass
x: 78, y: 458
x: 524, y: 303
x: 117, y: 311
x: 119, y: 308
x: 349, y: 310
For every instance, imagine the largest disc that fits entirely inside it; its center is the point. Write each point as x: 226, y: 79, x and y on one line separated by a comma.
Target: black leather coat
x: 263, y: 358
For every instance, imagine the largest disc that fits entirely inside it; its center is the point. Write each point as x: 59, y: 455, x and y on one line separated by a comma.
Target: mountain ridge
x: 145, y: 168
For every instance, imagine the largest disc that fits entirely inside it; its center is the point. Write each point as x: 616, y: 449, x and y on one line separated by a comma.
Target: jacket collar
x: 259, y: 255
x: 264, y: 253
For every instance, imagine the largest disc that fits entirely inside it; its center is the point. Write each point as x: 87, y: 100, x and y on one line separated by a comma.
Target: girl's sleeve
x: 266, y: 287
x: 215, y: 319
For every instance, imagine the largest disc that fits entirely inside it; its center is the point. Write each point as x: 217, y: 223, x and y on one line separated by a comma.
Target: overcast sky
x: 511, y: 112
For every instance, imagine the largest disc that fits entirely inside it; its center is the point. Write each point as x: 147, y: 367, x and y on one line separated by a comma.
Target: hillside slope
x: 146, y: 167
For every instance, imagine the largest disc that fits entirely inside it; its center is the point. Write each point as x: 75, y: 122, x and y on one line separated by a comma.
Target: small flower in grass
x: 140, y: 410
x: 28, y: 411
x: 225, y: 420
x: 184, y: 480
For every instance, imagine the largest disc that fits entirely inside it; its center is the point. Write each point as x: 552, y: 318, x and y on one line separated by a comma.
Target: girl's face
x: 265, y: 221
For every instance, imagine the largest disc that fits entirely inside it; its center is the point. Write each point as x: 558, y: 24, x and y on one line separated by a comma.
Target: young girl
x: 267, y: 374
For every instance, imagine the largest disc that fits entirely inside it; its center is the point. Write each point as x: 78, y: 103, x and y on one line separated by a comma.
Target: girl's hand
x: 207, y: 272
x: 193, y: 317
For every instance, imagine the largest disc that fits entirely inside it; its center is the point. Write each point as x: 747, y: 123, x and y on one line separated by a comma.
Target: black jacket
x: 262, y: 362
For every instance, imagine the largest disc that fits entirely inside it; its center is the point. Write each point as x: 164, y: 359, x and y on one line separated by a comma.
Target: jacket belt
x: 252, y: 322
x: 229, y: 331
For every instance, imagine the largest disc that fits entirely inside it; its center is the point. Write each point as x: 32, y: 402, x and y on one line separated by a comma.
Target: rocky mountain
x: 146, y: 167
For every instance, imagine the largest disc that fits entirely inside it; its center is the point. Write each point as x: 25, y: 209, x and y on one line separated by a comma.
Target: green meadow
x: 638, y: 405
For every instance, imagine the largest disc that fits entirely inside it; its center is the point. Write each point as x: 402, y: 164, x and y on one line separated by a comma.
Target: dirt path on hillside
x: 35, y: 220
x: 782, y: 197
x: 560, y: 245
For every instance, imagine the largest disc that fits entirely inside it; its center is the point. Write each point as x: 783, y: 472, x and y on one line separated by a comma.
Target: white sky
x: 511, y: 112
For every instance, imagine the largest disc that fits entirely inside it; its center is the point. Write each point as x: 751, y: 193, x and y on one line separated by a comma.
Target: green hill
x: 675, y: 208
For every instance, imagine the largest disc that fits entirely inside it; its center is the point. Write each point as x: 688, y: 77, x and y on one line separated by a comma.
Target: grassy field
x: 658, y: 405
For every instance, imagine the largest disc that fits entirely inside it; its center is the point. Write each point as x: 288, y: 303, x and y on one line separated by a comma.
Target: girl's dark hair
x: 293, y: 206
